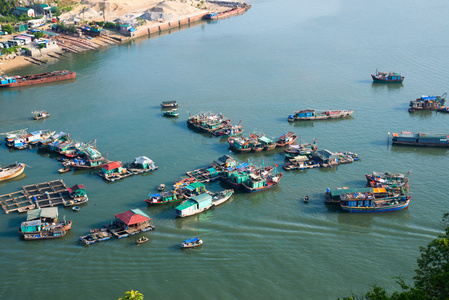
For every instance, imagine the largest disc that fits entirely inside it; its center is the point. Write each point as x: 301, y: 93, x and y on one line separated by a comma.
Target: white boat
x: 202, y: 202
x: 11, y: 171
x: 190, y: 243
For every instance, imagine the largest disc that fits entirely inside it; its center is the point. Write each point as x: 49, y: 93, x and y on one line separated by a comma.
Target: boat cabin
x: 226, y: 161
x: 112, y: 167
x: 254, y: 181
x: 6, y: 80
x: 265, y: 141
x: 164, y: 197
x: 326, y: 158
x: 144, y: 162
x: 193, y: 204
x: 195, y: 188
x: 334, y: 196
x: 241, y: 143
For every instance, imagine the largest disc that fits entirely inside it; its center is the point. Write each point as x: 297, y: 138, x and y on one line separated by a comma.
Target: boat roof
x: 202, y: 198
x: 75, y: 188
x: 168, y: 102
x: 133, y: 216
x: 31, y: 223
x: 193, y: 240
x: 46, y: 212
x: 113, y: 165
x: 142, y: 160
x: 195, y: 185
x: 265, y: 139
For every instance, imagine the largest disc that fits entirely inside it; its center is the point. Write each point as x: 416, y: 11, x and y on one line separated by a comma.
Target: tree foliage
x: 432, y: 276
x: 132, y: 295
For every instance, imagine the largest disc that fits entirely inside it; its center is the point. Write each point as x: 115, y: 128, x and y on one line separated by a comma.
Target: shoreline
x: 68, y: 44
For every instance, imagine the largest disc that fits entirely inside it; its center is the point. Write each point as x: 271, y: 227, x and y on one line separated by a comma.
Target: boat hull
x: 376, y: 209
x: 13, y: 173
x: 43, y: 78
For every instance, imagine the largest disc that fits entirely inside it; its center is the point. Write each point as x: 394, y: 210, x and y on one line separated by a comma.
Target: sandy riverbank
x: 142, y: 14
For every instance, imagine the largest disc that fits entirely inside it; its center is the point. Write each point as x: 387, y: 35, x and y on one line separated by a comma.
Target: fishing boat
x: 230, y: 130
x: 300, y: 150
x: 43, y: 223
x: 391, y: 77
x: 190, y: 243
x: 11, y: 171
x: 366, y: 203
x: 427, y: 103
x: 240, y: 144
x: 16, y: 81
x: 421, y: 139
x: 378, y: 179
x: 262, y: 143
x: 164, y: 198
x: 142, y: 240
x: 286, y: 139
x: 208, y: 122
x: 258, y: 183
x: 314, y: 114
x: 39, y: 115
x: 169, y: 104
x: 202, y: 202
x: 171, y: 113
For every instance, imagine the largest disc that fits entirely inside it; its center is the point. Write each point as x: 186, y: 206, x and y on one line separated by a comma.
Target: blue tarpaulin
x: 192, y: 240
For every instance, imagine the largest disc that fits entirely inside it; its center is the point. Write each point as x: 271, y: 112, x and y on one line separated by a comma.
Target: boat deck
x: 46, y: 194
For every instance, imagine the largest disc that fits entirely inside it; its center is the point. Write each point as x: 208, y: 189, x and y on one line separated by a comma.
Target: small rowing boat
x: 190, y: 243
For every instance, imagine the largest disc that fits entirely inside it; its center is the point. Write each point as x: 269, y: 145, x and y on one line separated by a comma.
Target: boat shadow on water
x: 312, y: 123
x: 429, y: 151
x: 421, y: 114
x: 389, y: 86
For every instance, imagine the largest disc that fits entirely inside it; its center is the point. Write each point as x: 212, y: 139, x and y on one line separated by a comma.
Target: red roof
x: 130, y: 217
x: 75, y: 188
x: 113, y: 165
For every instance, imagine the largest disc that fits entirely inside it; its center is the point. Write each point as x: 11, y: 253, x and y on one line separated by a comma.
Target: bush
x: 39, y: 35
x: 8, y: 28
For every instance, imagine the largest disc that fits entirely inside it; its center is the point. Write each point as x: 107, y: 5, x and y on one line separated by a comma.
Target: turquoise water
x: 259, y: 67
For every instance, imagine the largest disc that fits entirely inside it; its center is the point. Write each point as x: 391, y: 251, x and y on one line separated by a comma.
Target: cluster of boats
x: 385, y: 192
x: 307, y: 156
x: 171, y: 109
x: 260, y: 142
x: 215, y: 124
x: 113, y: 171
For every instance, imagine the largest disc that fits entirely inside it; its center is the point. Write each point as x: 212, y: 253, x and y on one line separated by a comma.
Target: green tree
x: 132, y: 295
x: 432, y: 276
x: 39, y: 34
x: 8, y: 28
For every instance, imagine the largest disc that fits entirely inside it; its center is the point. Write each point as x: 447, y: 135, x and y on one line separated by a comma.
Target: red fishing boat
x: 16, y: 81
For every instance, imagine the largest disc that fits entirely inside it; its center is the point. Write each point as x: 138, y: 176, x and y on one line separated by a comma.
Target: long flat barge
x: 16, y: 81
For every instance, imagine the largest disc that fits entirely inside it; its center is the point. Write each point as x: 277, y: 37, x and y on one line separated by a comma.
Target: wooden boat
x: 306, y: 199
x: 286, y: 139
x: 95, y: 236
x: 314, y: 114
x: 391, y: 77
x: 142, y: 240
x: 366, y: 203
x: 427, y: 103
x: 262, y: 143
x: 164, y: 198
x: 190, y: 243
x: 202, y: 202
x: 240, y: 144
x: 15, y: 81
x: 229, y: 130
x: 50, y: 234
x: 64, y: 170
x: 39, y: 115
x: 378, y: 179
x: 300, y: 150
x: 421, y: 139
x: 161, y: 187
x: 40, y: 229
x: 258, y: 183
x: 169, y: 104
x: 171, y: 113
x: 11, y: 171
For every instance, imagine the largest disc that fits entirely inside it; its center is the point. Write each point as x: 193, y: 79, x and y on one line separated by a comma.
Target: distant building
x: 24, y: 10
x: 42, y: 9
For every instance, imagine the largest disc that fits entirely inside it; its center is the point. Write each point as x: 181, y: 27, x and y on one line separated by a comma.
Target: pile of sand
x: 128, y: 11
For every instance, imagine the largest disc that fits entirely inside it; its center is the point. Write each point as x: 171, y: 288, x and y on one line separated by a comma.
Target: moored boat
x: 43, y: 224
x: 39, y: 115
x: 11, y: 171
x: 169, y: 104
x: 427, y: 103
x: 391, y: 77
x: 239, y: 9
x: 208, y: 122
x: 314, y: 114
x: 142, y: 240
x: 421, y: 139
x: 171, y: 113
x: 258, y: 183
x: 16, y: 81
x: 190, y: 243
x: 164, y: 198
x: 366, y: 203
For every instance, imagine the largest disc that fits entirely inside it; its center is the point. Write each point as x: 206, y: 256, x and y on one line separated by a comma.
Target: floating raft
x: 46, y: 194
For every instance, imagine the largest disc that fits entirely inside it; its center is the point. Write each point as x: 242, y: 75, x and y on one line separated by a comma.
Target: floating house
x: 144, y: 162
x: 77, y: 194
x: 194, y: 205
x: 129, y: 223
x: 326, y: 158
x: 194, y: 189
x: 43, y: 224
x: 112, y: 167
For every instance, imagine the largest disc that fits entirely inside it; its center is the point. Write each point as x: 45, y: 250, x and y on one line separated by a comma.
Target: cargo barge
x: 228, y: 13
x: 16, y: 81
x: 421, y: 139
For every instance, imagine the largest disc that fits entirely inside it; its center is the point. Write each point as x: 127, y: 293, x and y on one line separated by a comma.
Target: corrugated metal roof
x: 113, y: 165
x: 46, y: 212
x: 133, y: 216
x: 186, y: 204
x: 75, y: 188
x: 196, y: 185
x: 202, y: 198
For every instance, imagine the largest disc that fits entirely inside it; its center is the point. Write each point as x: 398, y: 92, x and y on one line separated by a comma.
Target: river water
x: 259, y: 67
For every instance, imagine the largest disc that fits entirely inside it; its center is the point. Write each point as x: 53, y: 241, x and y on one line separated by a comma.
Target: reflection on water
x: 388, y: 86
x: 428, y: 151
